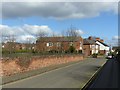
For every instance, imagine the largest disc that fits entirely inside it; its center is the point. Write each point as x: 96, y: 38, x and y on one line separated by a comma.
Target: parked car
x: 110, y: 56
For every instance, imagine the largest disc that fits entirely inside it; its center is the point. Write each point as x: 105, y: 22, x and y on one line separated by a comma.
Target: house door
x: 90, y: 52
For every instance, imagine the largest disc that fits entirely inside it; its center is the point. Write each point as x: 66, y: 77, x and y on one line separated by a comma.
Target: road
x: 108, y: 77
x: 72, y: 76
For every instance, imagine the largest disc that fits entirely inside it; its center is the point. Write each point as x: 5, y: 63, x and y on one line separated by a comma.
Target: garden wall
x: 20, y: 65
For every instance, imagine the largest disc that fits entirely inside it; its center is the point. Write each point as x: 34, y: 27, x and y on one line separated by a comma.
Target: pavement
x: 72, y: 76
x: 108, y: 77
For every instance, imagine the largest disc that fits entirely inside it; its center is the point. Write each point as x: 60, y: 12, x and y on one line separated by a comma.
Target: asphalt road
x: 108, y: 77
x: 72, y: 76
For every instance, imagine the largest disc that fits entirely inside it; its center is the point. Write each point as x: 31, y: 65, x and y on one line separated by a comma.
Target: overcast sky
x: 26, y: 19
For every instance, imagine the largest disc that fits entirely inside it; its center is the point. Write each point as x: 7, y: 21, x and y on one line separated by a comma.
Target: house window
x: 80, y: 45
x: 93, y: 46
x: 58, y: 44
x: 3, y: 46
x: 71, y: 44
x: 96, y: 46
x: 49, y: 44
x: 23, y: 47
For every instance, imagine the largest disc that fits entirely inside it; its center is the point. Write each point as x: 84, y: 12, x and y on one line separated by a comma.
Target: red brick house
x: 58, y: 43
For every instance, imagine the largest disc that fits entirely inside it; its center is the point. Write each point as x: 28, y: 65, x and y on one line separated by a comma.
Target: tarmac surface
x: 108, y: 77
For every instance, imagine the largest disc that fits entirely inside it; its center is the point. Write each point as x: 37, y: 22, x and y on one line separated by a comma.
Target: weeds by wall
x: 23, y: 64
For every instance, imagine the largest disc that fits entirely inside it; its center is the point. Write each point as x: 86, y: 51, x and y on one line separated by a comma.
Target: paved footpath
x: 72, y: 76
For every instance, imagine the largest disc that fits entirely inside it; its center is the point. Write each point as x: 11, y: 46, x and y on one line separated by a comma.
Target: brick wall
x: 87, y: 50
x: 11, y: 67
x: 102, y: 52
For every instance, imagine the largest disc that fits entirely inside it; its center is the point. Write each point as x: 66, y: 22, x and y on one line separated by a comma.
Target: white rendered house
x: 103, y: 48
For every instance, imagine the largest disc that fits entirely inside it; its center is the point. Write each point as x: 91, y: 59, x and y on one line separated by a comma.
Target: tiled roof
x: 58, y: 39
x: 89, y: 42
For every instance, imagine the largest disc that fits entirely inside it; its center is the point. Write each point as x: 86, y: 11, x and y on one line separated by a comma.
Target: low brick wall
x: 10, y: 67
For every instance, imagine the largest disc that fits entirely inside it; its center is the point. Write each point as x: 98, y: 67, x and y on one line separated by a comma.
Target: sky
x: 26, y: 19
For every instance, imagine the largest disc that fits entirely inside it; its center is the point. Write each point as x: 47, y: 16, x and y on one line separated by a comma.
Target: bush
x: 23, y: 51
x: 94, y: 55
x: 80, y: 51
x: 71, y: 49
x: 101, y: 54
x: 53, y: 51
x: 118, y: 56
x: 34, y: 51
x: 67, y: 51
x: 23, y: 62
x: 5, y: 52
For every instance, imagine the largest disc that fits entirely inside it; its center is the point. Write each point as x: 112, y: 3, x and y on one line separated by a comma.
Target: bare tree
x: 63, y: 33
x: 41, y: 34
x: 12, y: 43
x: 10, y: 39
x: 40, y: 38
x: 29, y: 40
x: 72, y: 33
x: 53, y: 34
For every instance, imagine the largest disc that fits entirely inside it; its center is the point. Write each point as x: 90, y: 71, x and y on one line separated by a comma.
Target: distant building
x: 14, y: 46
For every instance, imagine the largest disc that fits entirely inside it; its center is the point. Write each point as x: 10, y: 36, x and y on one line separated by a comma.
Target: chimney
x: 98, y: 39
x: 102, y: 40
x: 90, y: 38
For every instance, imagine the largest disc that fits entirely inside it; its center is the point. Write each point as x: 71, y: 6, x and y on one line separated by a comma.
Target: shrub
x: 80, y: 51
x: 94, y: 55
x: 71, y: 49
x: 101, y: 54
x: 118, y: 56
x: 23, y: 62
x: 34, y: 51
x: 67, y: 51
x: 53, y: 51
x: 23, y: 51
x: 5, y: 51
